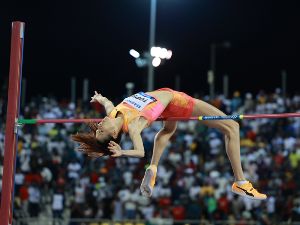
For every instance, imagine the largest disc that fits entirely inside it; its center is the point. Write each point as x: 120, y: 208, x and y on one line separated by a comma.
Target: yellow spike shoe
x: 247, y: 191
x: 148, y: 182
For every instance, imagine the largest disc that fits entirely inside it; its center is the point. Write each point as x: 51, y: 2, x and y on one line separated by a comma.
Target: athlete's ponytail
x: 90, y: 145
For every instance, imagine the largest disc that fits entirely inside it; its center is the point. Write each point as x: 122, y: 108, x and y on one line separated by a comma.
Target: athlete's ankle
x: 155, y: 168
x: 241, y: 182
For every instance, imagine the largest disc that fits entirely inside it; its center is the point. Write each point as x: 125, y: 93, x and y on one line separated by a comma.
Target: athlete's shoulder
x: 113, y: 113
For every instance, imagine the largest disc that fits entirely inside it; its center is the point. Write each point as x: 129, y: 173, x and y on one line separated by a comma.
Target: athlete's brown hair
x: 90, y: 145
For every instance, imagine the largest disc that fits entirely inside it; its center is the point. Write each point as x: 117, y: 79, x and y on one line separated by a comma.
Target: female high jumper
x: 140, y: 110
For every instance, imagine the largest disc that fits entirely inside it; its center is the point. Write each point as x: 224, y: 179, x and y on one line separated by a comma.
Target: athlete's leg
x: 160, y: 142
x: 232, y: 138
x: 229, y: 128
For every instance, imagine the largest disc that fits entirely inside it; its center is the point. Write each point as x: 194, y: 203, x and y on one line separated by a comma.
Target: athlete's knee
x: 170, y: 128
x: 164, y: 133
x: 232, y: 128
x: 161, y: 137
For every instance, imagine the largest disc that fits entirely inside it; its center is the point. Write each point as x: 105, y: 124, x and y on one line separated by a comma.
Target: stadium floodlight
x: 169, y: 54
x: 158, y: 51
x: 134, y: 53
x: 155, y: 51
x: 156, y: 61
x: 163, y: 53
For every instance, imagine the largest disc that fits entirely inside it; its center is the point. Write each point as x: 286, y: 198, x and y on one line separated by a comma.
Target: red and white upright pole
x: 11, y: 136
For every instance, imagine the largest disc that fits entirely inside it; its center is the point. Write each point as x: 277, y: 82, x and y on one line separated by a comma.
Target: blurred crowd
x: 194, y: 176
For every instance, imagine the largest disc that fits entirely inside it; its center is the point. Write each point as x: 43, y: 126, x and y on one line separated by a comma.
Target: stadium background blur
x: 194, y: 175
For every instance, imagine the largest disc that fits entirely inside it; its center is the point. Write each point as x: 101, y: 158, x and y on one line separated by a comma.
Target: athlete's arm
x: 138, y: 146
x: 135, y: 136
x: 138, y: 152
x: 108, y: 105
x: 103, y: 101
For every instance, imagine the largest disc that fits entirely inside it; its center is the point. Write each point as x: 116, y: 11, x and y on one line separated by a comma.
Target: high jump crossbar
x: 257, y: 116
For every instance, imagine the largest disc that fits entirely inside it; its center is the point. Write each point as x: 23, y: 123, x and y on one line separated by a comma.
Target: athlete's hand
x: 98, y: 98
x: 115, y: 149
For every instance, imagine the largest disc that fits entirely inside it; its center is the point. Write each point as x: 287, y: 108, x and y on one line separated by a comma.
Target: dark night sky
x: 92, y: 39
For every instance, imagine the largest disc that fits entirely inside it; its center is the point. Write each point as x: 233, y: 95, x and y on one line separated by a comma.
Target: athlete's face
x: 106, y: 128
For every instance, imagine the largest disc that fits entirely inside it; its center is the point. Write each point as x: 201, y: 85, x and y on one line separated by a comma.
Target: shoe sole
x: 146, y: 187
x: 247, y: 196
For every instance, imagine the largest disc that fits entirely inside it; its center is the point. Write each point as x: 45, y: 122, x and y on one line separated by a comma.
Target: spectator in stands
x: 117, y: 206
x: 165, y: 190
x: 73, y: 169
x: 271, y: 205
x: 165, y: 212
x: 194, y: 209
x: 148, y: 211
x: 223, y: 205
x: 99, y: 214
x: 165, y: 200
x: 167, y: 175
x: 19, y: 179
x: 130, y: 204
x: 61, y: 182
x: 123, y: 192
x: 176, y: 190
x: 178, y: 211
x: 188, y: 138
x: 34, y: 199
x: 214, y: 144
x: 207, y: 190
x: 294, y: 158
x: 142, y: 201
x: 211, y: 206
x: 194, y: 191
x: 236, y: 101
x: 237, y: 206
x: 46, y: 175
x: 88, y: 211
x: 25, y: 160
x: 246, y: 218
x: 80, y: 195
x: 58, y: 201
x: 189, y: 179
x: 24, y: 196
x: 127, y: 177
x: 288, y: 208
x: 264, y: 216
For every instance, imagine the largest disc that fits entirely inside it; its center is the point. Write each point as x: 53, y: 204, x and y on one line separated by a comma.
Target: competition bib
x: 139, y: 100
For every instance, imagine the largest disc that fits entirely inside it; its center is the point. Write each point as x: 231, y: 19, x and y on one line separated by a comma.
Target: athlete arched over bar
x: 138, y: 111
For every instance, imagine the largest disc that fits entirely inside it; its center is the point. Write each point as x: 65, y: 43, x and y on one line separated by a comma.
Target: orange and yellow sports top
x: 150, y: 107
